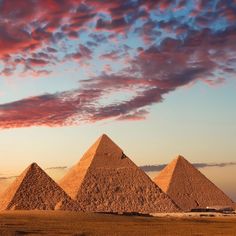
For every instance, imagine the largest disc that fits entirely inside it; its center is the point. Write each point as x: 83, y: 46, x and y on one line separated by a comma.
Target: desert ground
x: 74, y: 223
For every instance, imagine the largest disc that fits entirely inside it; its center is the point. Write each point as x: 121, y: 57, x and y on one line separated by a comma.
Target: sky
x: 157, y: 76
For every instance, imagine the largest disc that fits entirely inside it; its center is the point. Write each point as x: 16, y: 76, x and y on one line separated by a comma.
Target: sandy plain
x: 75, y: 223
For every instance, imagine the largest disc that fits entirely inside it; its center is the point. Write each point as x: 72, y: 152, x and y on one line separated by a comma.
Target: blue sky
x: 157, y: 76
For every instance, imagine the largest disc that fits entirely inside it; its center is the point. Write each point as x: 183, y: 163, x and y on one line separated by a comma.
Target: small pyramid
x: 106, y: 180
x: 34, y: 189
x: 188, y: 187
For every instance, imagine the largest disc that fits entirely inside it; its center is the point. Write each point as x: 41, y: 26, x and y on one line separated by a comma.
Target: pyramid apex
x: 104, y: 137
x: 180, y: 157
x: 33, y: 167
x: 34, y: 164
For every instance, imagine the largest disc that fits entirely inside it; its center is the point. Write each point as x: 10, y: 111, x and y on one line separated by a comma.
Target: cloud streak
x: 146, y: 168
x: 176, y: 44
x: 57, y: 168
x: 154, y: 168
x: 7, y: 178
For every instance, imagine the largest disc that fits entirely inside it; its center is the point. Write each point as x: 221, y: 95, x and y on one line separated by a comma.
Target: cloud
x: 113, y: 55
x: 57, y: 168
x: 36, y: 26
x: 146, y: 168
x: 136, y: 115
x: 148, y: 75
x: 37, y: 62
x: 53, y: 168
x: 59, y: 109
x: 150, y: 49
x: 118, y: 25
x: 83, y: 53
x: 31, y: 26
x: 154, y: 168
x: 7, y: 178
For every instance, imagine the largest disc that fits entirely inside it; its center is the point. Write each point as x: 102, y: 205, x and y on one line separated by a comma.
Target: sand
x: 74, y: 223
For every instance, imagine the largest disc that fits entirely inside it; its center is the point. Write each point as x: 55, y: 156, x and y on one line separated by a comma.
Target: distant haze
x: 220, y: 174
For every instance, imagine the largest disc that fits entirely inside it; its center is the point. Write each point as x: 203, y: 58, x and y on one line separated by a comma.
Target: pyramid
x: 106, y: 180
x: 34, y: 189
x: 188, y: 187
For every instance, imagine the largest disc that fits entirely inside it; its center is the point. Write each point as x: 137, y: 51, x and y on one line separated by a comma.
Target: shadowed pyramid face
x: 106, y: 180
x: 34, y: 189
x: 188, y: 187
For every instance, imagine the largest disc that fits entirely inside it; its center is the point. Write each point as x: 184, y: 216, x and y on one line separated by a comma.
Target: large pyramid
x: 34, y: 189
x: 188, y: 187
x: 106, y: 180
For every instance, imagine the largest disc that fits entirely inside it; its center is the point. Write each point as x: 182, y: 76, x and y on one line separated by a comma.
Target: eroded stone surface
x: 188, y: 187
x: 34, y: 189
x: 105, y: 180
